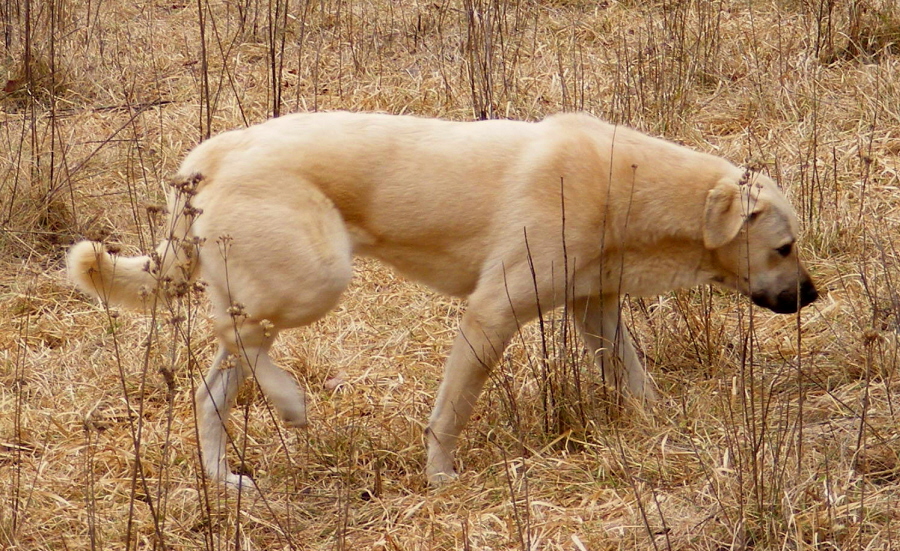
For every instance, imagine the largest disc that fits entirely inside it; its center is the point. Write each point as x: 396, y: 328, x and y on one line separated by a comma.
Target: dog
x: 517, y: 217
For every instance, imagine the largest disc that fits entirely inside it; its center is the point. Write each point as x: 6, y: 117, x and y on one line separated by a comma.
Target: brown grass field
x: 775, y: 432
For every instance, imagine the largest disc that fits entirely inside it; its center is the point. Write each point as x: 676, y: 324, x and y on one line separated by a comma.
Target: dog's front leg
x: 214, y: 399
x: 599, y: 320
x: 474, y: 353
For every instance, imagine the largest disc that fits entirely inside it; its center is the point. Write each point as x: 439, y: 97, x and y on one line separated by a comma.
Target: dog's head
x: 751, y: 230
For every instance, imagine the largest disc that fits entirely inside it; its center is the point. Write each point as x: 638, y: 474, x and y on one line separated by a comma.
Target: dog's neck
x: 663, y: 208
x: 641, y: 236
x: 637, y: 270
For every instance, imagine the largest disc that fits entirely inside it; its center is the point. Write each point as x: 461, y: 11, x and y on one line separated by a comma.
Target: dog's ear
x: 728, y: 206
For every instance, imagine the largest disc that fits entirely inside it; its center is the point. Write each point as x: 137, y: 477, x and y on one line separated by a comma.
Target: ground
x: 774, y: 432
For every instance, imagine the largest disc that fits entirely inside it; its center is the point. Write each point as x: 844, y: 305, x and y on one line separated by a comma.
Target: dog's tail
x: 132, y: 281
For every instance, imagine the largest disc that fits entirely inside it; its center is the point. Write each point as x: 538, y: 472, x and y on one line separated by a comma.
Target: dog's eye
x: 785, y: 250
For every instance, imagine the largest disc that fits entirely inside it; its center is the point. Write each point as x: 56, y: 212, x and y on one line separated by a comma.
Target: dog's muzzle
x: 788, y: 301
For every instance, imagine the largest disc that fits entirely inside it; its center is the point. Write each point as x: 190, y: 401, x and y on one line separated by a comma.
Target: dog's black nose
x: 808, y: 293
x: 788, y: 301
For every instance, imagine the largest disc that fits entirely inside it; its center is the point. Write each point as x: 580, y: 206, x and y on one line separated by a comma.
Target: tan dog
x: 514, y: 216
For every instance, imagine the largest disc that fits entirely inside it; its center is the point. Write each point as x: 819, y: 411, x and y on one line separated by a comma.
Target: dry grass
x: 775, y: 433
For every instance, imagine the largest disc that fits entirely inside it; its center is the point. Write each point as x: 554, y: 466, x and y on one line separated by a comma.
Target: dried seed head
x: 189, y: 248
x: 179, y: 289
x: 236, y: 310
x: 191, y: 211
x: 870, y: 336
x: 154, y: 210
x: 187, y: 186
x: 230, y: 362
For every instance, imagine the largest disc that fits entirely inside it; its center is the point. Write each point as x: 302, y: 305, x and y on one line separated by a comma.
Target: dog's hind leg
x: 274, y: 265
x: 599, y: 321
x: 281, y: 389
x: 289, y: 400
x: 214, y: 398
x: 243, y: 352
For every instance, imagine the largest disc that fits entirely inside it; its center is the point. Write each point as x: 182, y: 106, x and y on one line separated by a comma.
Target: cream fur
x: 508, y: 214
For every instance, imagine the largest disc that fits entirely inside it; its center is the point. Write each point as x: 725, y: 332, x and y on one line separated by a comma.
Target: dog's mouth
x: 788, y: 301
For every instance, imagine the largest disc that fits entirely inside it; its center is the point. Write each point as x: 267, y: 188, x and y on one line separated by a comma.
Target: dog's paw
x: 240, y: 483
x: 650, y: 396
x: 296, y: 422
x: 440, y: 478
